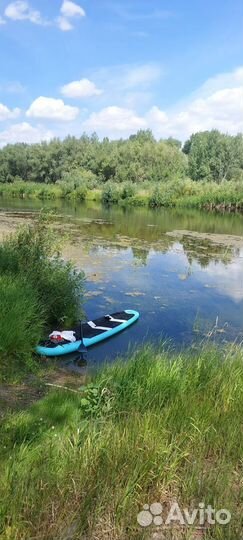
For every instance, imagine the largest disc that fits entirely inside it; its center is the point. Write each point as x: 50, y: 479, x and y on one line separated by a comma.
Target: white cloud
x: 24, y: 132
x: 114, y: 121
x: 156, y: 117
x: 6, y: 113
x: 227, y: 279
x: 80, y: 89
x: 21, y: 10
x: 53, y: 109
x: 69, y: 10
x: 217, y: 105
x: 222, y: 80
x: 64, y: 24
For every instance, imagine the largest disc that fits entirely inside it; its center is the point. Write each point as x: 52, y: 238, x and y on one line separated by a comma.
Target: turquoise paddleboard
x: 92, y: 332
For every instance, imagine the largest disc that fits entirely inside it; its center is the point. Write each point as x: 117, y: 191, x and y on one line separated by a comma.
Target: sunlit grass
x: 157, y: 427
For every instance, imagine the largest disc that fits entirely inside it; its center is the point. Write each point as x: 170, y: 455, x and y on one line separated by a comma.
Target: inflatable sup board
x: 92, y: 332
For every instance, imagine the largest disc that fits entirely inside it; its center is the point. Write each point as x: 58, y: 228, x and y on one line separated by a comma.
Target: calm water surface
x: 183, y: 270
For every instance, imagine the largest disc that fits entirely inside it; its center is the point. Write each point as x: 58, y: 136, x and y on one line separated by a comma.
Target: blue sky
x: 116, y: 66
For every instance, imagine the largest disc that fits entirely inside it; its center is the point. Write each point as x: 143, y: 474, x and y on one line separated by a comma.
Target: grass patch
x: 37, y: 289
x: 21, y: 326
x: 155, y: 428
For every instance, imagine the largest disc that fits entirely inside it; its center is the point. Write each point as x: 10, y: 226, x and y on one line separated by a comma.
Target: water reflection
x: 181, y: 270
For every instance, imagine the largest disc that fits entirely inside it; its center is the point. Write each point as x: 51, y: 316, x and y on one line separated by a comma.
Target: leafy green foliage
x: 33, y: 254
x: 110, y: 194
x: 96, y: 400
x: 215, y: 156
x: 136, y: 171
x: 91, y: 163
x: 128, y: 191
x: 76, y: 182
x: 37, y: 290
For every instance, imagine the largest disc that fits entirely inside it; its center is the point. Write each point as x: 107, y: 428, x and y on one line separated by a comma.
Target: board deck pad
x: 89, y: 332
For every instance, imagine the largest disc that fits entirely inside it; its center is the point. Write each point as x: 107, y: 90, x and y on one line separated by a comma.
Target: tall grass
x: 190, y: 194
x: 21, y: 326
x: 157, y: 428
x: 37, y: 289
x: 30, y: 190
x: 173, y: 193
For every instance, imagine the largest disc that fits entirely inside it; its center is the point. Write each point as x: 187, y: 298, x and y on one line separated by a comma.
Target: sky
x: 116, y: 66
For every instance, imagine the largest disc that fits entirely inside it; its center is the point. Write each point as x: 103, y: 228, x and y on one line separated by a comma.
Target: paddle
x: 82, y: 350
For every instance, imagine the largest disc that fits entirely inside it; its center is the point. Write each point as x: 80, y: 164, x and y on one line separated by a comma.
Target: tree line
x: 205, y: 156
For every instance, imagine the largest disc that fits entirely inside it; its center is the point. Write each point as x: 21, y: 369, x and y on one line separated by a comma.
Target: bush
x: 161, y: 196
x: 128, y: 191
x: 79, y: 193
x: 110, y: 194
x: 75, y: 183
x: 33, y: 254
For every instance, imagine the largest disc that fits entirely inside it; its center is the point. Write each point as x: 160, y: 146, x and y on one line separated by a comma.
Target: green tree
x: 214, y: 156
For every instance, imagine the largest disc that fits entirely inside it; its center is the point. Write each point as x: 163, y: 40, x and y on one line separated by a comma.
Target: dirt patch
x: 15, y: 397
x: 19, y: 396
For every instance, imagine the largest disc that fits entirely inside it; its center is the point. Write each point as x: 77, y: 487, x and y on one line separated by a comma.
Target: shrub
x: 128, y: 191
x: 110, y: 194
x: 33, y: 254
x: 161, y: 196
x: 75, y: 183
x: 79, y: 193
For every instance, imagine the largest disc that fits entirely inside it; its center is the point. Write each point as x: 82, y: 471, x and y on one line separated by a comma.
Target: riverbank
x: 38, y: 290
x: 227, y: 196
x: 160, y: 427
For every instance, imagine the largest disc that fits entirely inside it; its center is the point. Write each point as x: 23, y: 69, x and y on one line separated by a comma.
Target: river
x: 182, y: 270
